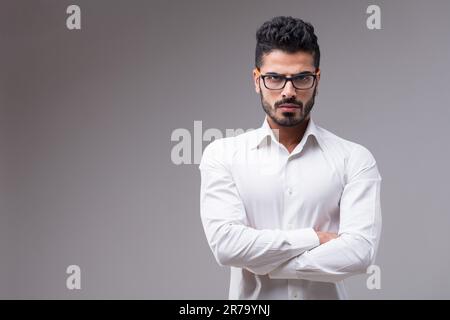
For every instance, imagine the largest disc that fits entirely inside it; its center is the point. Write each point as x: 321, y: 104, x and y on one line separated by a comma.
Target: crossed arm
x: 293, y: 254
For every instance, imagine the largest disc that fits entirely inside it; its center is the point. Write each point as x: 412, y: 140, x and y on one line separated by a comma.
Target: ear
x: 318, y: 80
x: 256, y: 75
x: 318, y: 74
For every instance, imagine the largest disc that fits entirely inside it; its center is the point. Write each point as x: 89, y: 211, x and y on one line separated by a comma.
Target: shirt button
x: 295, y: 295
x: 289, y: 190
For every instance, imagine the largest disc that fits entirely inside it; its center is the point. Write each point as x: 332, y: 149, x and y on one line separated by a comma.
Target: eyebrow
x: 294, y: 75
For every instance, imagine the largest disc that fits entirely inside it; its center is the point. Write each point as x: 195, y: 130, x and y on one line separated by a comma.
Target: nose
x: 288, y: 90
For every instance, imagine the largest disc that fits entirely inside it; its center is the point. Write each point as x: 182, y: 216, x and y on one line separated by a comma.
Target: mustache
x: 290, y: 101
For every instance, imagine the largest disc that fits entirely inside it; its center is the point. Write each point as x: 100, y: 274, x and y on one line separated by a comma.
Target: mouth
x: 288, y: 107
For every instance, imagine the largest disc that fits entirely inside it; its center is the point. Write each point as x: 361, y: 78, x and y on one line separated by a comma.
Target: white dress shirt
x: 260, y: 205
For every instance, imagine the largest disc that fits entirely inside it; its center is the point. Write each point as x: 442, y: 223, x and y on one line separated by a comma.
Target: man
x: 292, y: 208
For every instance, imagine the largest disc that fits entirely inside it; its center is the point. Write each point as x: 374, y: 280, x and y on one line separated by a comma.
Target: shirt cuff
x: 304, y: 239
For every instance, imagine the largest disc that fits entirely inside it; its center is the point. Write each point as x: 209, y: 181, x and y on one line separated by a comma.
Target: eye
x: 303, y: 78
x: 274, y: 78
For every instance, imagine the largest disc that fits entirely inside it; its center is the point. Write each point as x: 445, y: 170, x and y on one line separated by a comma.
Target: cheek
x: 270, y: 98
x: 305, y: 96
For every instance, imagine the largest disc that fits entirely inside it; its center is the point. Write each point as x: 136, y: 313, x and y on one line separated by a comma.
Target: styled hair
x: 287, y: 34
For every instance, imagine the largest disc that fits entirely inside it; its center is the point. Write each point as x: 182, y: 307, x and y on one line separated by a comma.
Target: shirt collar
x: 265, y: 133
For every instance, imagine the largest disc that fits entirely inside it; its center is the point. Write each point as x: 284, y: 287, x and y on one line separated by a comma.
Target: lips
x: 289, y: 107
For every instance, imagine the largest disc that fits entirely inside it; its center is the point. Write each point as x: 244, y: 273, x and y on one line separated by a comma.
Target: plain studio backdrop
x: 87, y: 117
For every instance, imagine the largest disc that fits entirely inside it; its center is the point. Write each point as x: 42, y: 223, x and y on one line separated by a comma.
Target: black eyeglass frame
x: 286, y: 79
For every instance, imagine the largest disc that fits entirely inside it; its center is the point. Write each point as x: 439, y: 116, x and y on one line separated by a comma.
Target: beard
x: 288, y: 118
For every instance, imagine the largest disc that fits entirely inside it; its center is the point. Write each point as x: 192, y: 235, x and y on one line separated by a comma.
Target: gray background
x: 86, y: 119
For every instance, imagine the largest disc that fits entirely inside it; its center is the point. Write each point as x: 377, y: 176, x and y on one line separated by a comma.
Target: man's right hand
x: 326, y: 236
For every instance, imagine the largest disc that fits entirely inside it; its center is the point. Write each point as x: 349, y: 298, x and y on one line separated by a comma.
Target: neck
x: 289, y: 136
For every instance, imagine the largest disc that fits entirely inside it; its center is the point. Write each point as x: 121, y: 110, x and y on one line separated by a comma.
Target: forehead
x: 287, y: 63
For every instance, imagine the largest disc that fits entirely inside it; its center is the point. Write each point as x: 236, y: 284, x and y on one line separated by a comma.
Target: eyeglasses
x: 302, y: 81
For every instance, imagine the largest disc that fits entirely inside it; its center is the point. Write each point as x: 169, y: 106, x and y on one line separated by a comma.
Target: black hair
x: 287, y: 34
